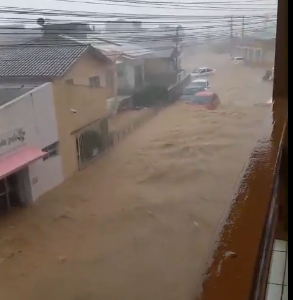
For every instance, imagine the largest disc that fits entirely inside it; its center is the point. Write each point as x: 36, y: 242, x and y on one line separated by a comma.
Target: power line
x: 53, y: 12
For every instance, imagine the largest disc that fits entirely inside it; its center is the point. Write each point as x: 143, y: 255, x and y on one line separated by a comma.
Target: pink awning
x: 19, y: 159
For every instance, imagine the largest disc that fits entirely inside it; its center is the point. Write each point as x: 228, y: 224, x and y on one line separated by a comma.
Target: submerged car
x: 205, y: 99
x: 269, y: 75
x: 189, y: 92
x: 203, y: 71
x: 202, y: 84
x: 238, y: 60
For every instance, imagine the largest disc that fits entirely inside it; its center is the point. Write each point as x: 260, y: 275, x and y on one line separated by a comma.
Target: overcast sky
x: 259, y: 7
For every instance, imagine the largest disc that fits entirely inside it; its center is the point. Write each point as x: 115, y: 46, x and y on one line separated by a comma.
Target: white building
x: 29, y: 160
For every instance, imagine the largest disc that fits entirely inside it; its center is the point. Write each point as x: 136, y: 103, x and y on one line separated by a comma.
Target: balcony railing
x: 239, y: 261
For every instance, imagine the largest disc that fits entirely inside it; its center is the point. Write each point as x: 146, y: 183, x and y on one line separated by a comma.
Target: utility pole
x: 231, y: 35
x: 231, y: 27
x: 243, y: 26
x: 176, y: 49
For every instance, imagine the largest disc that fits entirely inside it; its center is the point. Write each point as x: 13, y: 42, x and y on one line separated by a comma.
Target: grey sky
x: 258, y: 7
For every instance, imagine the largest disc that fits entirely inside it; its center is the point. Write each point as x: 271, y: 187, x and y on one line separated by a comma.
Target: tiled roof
x: 112, y: 55
x: 38, y: 60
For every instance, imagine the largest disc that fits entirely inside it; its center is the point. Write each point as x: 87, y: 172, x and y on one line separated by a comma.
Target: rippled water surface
x: 137, y: 224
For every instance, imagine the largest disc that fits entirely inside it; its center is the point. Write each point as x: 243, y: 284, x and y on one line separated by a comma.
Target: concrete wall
x: 159, y: 71
x: 157, y: 66
x: 257, y: 57
x: 126, y: 79
x: 259, y: 53
x: 90, y: 104
x: 34, y: 112
x: 126, y: 82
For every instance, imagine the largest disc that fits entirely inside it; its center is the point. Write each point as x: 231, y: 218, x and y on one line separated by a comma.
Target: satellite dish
x: 41, y: 22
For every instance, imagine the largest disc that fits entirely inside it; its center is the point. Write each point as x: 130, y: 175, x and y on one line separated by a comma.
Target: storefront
x: 29, y: 160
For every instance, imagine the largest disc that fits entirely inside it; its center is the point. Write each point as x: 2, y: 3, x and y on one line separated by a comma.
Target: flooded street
x: 137, y: 224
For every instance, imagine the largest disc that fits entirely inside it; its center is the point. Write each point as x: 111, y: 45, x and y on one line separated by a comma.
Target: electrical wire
x: 194, y: 28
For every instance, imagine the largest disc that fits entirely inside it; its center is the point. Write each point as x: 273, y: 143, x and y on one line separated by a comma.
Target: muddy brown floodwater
x: 137, y: 224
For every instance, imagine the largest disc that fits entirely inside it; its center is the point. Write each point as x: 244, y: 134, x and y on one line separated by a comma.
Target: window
x: 51, y: 150
x: 69, y: 81
x: 95, y: 81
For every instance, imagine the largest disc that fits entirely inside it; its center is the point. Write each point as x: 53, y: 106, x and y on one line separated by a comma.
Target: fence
x: 91, y: 142
x: 96, y: 139
x: 173, y: 94
x: 118, y: 135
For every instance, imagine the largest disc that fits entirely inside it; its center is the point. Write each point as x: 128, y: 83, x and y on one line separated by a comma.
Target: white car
x: 202, y: 84
x: 203, y: 71
x: 238, y: 60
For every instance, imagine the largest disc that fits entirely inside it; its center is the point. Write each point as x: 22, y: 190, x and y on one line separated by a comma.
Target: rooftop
x: 38, y: 60
x: 15, y: 34
x: 9, y: 93
x: 111, y: 47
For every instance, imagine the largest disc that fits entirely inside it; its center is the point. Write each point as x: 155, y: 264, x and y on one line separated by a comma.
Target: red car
x: 205, y: 99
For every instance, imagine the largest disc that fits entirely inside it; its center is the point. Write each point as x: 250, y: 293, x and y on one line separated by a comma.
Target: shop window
x: 95, y: 81
x: 52, y: 151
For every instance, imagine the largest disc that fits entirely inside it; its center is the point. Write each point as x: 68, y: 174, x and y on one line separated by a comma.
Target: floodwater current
x: 137, y: 224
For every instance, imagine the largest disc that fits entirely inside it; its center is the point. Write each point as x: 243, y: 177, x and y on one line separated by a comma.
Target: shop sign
x: 12, y: 139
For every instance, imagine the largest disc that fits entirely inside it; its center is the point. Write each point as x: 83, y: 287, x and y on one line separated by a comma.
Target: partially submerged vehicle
x: 269, y: 75
x: 205, y: 99
x: 198, y: 85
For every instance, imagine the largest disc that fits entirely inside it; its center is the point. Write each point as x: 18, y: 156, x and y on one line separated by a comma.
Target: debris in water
x: 62, y: 217
x: 230, y: 254
x: 151, y: 214
x: 61, y: 259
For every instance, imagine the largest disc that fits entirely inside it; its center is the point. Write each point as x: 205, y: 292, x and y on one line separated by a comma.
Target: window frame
x: 95, y: 81
x: 51, y: 150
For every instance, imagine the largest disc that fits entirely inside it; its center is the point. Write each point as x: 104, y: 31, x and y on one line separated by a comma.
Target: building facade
x: 30, y: 164
x: 82, y: 78
x: 258, y: 49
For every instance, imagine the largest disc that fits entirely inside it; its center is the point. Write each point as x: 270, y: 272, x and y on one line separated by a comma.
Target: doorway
x: 15, y: 190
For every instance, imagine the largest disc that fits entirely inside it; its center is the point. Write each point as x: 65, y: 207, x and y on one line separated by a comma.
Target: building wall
x: 160, y: 71
x: 90, y: 104
x: 157, y: 66
x: 126, y: 74
x: 34, y: 112
x: 259, y: 53
x: 89, y: 66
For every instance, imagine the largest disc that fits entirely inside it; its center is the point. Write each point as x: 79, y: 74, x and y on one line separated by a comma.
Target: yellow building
x: 83, y: 79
